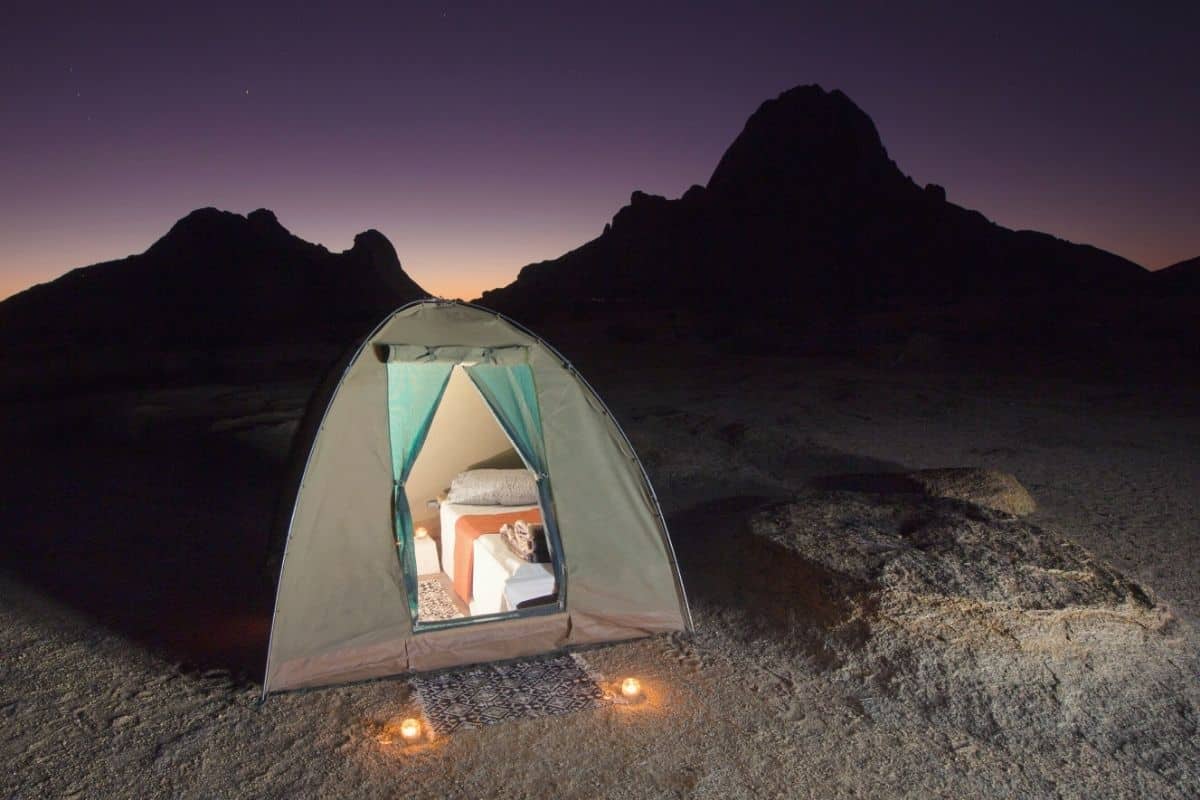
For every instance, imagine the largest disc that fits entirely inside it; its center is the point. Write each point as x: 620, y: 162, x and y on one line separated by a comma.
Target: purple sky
x: 480, y: 138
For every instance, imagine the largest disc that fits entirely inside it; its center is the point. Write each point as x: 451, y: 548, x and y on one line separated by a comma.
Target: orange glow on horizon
x: 445, y: 265
x: 442, y: 259
x: 440, y: 281
x: 455, y: 288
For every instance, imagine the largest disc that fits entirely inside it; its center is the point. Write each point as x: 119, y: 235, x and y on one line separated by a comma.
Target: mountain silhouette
x: 1179, y: 279
x: 215, y: 279
x: 217, y: 282
x: 806, y: 217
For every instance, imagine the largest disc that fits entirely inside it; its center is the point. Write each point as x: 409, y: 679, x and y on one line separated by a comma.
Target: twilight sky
x: 480, y: 137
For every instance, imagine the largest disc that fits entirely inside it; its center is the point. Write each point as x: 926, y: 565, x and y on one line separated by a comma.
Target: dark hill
x: 807, y: 220
x: 1181, y: 279
x: 214, y: 278
x: 216, y: 283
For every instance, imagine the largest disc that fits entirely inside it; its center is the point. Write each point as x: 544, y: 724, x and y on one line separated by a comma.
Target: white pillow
x: 493, y: 487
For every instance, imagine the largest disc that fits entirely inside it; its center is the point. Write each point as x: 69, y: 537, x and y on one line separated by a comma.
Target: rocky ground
x: 864, y: 628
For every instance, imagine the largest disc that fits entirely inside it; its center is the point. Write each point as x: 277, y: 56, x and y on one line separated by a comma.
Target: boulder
x: 988, y: 488
x: 921, y: 550
x: 974, y: 628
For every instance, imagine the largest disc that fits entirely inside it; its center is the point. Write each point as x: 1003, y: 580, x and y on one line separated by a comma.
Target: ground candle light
x: 410, y: 729
x: 631, y: 687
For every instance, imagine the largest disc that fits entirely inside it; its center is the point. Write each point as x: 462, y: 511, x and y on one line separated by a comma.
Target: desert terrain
x: 913, y: 372
x: 855, y: 636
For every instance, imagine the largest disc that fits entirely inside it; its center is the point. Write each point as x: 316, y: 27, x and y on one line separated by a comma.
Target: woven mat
x: 433, y: 601
x: 492, y: 693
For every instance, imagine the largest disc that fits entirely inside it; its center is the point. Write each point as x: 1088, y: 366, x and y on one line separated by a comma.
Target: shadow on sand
x: 162, y: 535
x: 758, y: 587
x: 755, y: 587
x: 159, y: 538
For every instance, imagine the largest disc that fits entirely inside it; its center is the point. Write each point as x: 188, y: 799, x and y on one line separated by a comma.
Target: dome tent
x: 346, y: 604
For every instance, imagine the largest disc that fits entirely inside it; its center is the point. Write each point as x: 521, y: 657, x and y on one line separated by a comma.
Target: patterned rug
x: 492, y: 693
x: 433, y: 601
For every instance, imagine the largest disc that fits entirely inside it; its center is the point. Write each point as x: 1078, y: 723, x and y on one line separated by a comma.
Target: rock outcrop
x: 987, y: 488
x: 914, y: 553
x: 983, y: 632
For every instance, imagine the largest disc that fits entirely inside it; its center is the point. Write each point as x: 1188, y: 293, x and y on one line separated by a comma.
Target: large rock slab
x: 989, y: 488
x: 903, y: 550
x: 993, y: 636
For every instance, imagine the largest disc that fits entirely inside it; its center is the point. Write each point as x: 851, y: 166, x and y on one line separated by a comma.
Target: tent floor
x: 436, y: 598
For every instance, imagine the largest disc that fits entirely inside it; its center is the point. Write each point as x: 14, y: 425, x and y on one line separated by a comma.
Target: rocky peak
x: 206, y: 229
x: 373, y: 248
x: 263, y: 219
x: 203, y: 221
x: 807, y: 145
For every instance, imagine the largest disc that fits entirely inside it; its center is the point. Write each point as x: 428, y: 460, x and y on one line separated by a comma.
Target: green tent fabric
x: 513, y: 398
x: 413, y: 394
x: 511, y: 394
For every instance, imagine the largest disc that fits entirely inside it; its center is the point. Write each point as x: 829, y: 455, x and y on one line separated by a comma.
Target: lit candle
x: 410, y: 729
x: 421, y: 533
x: 631, y: 687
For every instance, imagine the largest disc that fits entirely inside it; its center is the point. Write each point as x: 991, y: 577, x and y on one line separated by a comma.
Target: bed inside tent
x: 477, y: 546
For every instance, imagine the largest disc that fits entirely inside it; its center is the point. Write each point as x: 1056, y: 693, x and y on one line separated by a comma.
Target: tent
x: 444, y: 392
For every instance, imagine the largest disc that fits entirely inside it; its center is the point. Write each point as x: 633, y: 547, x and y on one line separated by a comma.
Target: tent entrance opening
x: 474, y: 514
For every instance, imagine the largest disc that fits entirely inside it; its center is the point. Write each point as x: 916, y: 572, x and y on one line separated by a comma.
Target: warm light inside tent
x: 410, y: 729
x: 421, y: 533
x: 631, y: 688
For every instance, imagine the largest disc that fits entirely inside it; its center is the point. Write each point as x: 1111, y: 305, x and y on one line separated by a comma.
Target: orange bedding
x: 469, y: 528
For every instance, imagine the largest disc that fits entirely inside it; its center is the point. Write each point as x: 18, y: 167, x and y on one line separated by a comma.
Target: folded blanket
x: 526, y: 540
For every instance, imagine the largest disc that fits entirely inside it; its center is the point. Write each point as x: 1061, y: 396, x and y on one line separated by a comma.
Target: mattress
x: 497, y: 569
x: 450, y: 513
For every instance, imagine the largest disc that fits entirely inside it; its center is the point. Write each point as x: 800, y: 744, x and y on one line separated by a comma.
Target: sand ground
x: 133, y: 619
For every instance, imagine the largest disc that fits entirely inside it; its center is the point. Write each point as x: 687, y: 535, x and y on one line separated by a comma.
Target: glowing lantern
x: 421, y: 533
x: 410, y: 729
x: 631, y: 688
